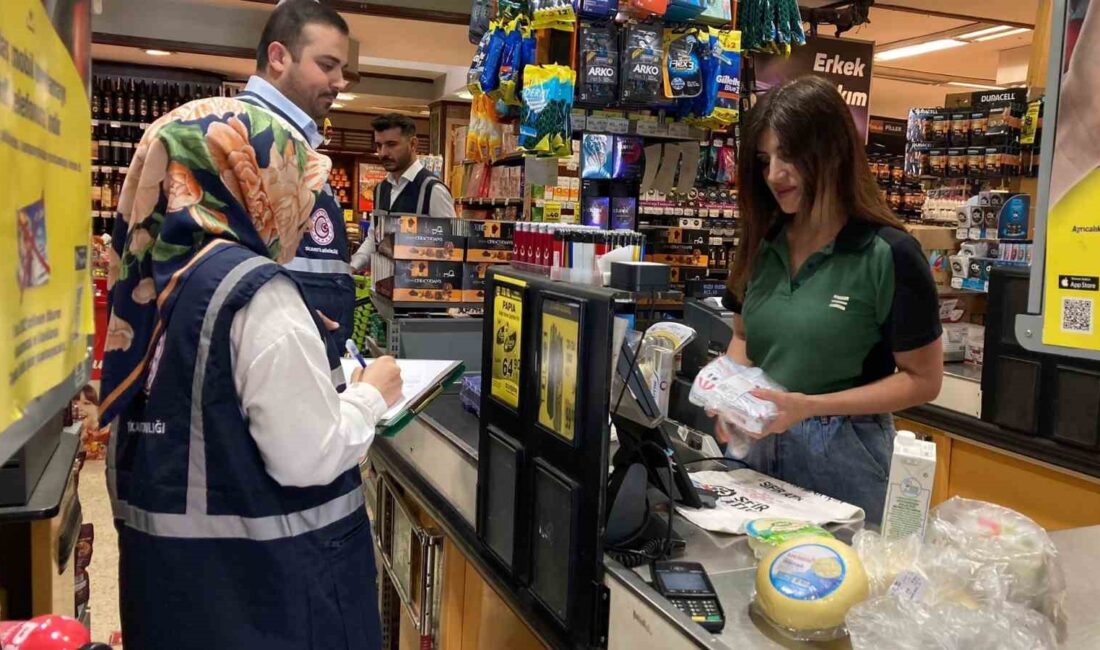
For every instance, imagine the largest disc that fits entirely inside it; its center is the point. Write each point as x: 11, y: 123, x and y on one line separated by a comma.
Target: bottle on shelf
x: 120, y: 100
x: 143, y: 103
x: 165, y: 99
x: 97, y: 189
x: 107, y: 105
x: 103, y: 142
x: 106, y: 200
x: 96, y: 97
x: 131, y: 101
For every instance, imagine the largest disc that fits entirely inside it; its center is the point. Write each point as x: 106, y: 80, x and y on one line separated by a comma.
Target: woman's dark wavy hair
x: 817, y: 134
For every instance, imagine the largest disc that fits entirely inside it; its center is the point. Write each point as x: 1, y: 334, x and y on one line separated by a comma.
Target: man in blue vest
x: 301, y: 90
x: 409, y: 188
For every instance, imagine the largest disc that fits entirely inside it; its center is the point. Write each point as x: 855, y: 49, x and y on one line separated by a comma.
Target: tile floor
x: 103, y: 571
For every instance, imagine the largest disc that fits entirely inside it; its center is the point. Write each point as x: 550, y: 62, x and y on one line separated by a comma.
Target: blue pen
x: 353, y: 350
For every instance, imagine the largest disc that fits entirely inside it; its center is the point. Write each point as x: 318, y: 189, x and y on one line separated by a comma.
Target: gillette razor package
x: 641, y: 64
x: 597, y: 156
x: 683, y: 76
x: 598, y: 74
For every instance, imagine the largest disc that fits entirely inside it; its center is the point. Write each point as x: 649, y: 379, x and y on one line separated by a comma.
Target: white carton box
x: 912, y: 471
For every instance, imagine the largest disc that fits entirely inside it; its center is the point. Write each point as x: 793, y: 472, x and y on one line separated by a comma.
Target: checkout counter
x: 453, y: 593
x: 433, y: 463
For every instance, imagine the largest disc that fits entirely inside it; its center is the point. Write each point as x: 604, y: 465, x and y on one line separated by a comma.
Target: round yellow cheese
x: 810, y: 583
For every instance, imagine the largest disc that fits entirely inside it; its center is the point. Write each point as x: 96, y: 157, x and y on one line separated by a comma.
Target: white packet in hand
x: 724, y: 387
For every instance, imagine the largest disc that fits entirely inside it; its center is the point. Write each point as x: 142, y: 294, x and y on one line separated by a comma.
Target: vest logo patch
x: 320, y: 227
x: 147, y: 427
x: 840, y: 302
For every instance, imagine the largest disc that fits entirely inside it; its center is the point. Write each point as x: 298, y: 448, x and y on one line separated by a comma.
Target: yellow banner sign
x: 558, y: 367
x: 45, y: 209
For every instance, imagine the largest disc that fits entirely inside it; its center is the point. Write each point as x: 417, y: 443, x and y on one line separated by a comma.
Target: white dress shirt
x: 307, y: 433
x: 440, y: 204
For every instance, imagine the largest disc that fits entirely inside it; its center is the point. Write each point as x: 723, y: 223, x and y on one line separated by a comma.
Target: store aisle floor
x: 103, y: 571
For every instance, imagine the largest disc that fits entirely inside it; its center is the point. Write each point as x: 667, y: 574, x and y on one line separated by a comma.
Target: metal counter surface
x: 441, y: 447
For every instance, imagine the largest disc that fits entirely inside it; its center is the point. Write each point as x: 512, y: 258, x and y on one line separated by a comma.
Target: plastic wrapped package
x: 724, y: 387
x: 890, y: 623
x: 1009, y: 550
x: 547, y: 100
x: 764, y: 535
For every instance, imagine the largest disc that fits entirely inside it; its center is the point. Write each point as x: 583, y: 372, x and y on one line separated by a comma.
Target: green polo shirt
x: 838, y: 322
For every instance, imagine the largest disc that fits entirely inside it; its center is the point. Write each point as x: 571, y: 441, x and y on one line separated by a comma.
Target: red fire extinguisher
x: 48, y: 632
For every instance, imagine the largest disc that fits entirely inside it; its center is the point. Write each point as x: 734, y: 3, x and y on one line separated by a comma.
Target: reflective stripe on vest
x: 196, y: 522
x: 310, y: 265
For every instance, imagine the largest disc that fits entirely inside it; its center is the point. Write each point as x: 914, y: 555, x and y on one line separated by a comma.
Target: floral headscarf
x: 210, y: 172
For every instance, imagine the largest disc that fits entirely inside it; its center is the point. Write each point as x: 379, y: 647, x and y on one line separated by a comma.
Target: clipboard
x: 442, y: 375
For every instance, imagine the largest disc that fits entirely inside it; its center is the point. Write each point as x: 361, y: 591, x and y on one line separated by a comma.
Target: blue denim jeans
x: 844, y: 457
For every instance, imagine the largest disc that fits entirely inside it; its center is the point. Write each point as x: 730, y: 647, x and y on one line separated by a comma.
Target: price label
x: 962, y: 233
x: 650, y: 128
x: 578, y: 118
x: 551, y: 212
x: 679, y: 130
x: 597, y: 124
x: 619, y: 125
x: 975, y: 233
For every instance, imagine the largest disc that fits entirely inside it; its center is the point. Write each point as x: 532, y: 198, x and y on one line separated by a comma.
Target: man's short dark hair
x: 395, y: 121
x: 287, y: 23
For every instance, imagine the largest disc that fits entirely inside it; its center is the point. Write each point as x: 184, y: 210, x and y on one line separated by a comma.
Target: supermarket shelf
x: 121, y: 123
x: 489, y: 201
x: 389, y: 309
x: 111, y: 168
x: 948, y: 291
x: 511, y: 159
x: 567, y: 206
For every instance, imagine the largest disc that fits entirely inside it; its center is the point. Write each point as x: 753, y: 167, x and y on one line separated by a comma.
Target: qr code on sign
x: 1077, y: 315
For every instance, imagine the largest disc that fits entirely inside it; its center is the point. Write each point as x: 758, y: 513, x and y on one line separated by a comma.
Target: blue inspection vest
x: 213, y: 552
x: 322, y: 264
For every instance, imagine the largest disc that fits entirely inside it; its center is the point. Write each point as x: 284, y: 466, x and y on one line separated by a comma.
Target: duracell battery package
x: 937, y: 162
x: 956, y: 163
x: 978, y: 121
x: 941, y: 128
x: 975, y: 162
x: 640, y: 64
x: 1002, y: 161
x: 917, y: 162
x: 919, y: 126
x: 960, y: 129
x: 598, y: 74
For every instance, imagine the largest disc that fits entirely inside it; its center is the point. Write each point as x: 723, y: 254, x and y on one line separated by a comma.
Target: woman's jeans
x: 844, y: 457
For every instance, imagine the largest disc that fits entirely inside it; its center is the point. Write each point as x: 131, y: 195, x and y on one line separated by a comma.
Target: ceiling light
x: 158, y: 52
x: 919, y: 48
x: 346, y: 97
x: 1011, y: 32
x: 337, y: 105
x: 984, y: 32
x: 964, y: 84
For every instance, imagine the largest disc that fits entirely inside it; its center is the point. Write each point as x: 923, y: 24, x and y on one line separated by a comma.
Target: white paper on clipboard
x: 418, y: 377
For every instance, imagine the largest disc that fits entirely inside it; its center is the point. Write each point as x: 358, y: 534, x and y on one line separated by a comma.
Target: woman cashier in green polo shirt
x: 831, y: 296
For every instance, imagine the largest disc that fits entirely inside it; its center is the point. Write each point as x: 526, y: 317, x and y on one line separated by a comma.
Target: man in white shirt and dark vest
x: 409, y: 188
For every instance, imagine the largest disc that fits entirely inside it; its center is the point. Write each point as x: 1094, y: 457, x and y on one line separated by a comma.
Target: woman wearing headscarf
x: 233, y: 461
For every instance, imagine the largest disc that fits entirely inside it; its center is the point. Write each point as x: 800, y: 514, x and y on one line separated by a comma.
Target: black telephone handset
x: 686, y: 585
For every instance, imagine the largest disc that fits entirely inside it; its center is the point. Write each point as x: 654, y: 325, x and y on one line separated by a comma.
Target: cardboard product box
x: 940, y: 264
x: 490, y: 241
x: 954, y: 341
x: 1014, y: 218
x: 679, y: 275
x: 678, y: 255
x: 692, y: 237
x: 909, y: 491
x: 423, y: 281
x: 423, y: 238
x: 473, y: 281
x: 932, y: 238
x: 975, y: 344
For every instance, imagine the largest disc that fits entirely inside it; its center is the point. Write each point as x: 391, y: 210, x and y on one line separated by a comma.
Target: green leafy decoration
x: 258, y: 121
x: 281, y: 138
x: 164, y: 251
x: 212, y: 201
x: 186, y: 144
x: 213, y: 222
